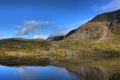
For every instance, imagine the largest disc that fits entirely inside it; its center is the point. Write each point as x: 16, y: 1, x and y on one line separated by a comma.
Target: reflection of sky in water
x: 36, y: 73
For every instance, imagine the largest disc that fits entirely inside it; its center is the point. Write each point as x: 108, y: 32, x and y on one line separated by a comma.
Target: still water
x: 36, y: 73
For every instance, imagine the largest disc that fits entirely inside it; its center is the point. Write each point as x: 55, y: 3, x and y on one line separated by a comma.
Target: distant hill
x: 23, y: 44
x: 55, y: 38
x: 102, y: 27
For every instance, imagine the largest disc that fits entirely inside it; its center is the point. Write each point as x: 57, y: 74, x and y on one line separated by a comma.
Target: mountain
x: 102, y: 27
x: 55, y: 38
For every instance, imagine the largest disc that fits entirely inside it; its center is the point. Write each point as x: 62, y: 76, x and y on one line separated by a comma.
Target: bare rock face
x: 91, y: 30
x: 102, y: 27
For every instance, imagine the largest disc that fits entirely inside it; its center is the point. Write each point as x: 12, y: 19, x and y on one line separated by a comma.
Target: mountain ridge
x: 102, y: 27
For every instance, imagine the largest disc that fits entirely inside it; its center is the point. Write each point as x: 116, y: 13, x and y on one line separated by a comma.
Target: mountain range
x: 102, y: 27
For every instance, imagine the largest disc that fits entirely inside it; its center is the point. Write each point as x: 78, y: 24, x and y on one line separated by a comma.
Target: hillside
x: 103, y: 27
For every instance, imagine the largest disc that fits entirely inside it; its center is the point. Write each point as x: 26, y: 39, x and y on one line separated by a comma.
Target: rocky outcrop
x: 102, y: 27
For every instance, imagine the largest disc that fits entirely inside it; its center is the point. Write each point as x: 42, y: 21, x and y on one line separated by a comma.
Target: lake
x: 36, y: 73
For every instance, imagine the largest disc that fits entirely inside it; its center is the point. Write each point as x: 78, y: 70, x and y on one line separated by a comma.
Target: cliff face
x: 102, y: 27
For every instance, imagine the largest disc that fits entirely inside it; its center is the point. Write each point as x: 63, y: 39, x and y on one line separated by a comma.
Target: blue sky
x: 43, y: 18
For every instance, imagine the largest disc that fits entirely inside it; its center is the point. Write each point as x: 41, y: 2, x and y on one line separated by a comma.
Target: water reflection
x: 115, y: 76
x: 36, y: 73
x: 98, y: 73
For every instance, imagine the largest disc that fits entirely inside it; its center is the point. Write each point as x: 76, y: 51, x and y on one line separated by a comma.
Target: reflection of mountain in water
x: 101, y: 73
x: 115, y: 76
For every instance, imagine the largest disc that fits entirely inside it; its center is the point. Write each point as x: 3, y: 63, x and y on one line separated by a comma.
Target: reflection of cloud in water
x: 28, y: 73
x: 35, y: 73
x: 49, y: 72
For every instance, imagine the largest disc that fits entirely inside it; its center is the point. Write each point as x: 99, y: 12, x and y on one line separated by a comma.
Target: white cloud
x: 38, y: 29
x: 111, y: 6
x: 40, y: 37
x: 29, y: 26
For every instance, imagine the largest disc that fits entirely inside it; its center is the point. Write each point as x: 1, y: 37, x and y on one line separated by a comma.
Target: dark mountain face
x: 73, y: 31
x: 55, y: 38
x: 102, y: 27
x: 111, y: 16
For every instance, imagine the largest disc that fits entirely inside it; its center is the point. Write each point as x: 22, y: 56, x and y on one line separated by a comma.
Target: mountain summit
x: 102, y: 27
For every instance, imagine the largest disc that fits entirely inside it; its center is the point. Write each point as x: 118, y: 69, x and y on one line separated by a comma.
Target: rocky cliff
x: 102, y: 27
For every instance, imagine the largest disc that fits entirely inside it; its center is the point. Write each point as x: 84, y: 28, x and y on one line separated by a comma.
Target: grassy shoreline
x: 78, y: 56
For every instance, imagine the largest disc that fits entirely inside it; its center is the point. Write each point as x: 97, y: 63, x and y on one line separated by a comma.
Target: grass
x: 66, y: 49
